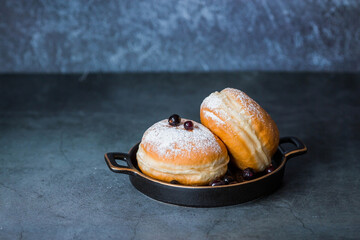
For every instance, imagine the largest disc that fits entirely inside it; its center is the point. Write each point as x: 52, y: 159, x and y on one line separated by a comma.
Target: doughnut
x: 187, y: 152
x: 247, y: 130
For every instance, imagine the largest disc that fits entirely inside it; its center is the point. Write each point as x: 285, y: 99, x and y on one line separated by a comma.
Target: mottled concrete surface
x: 170, y: 35
x: 54, y: 183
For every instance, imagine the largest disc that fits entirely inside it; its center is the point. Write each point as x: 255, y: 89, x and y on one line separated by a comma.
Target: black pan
x: 207, y: 196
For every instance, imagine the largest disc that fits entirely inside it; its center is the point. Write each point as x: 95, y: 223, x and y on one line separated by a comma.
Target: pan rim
x: 141, y: 174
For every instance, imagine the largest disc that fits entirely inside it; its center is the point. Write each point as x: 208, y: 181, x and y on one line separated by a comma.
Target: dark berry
x: 174, y: 182
x: 188, y: 125
x: 228, y: 179
x: 248, y: 174
x: 239, y: 176
x: 174, y: 120
x: 217, y: 182
x: 269, y: 169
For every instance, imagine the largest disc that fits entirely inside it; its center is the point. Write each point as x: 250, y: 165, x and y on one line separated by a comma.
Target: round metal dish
x: 206, y: 196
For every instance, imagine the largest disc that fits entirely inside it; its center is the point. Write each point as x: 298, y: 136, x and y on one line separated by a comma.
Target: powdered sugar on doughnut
x: 249, y: 106
x: 167, y: 140
x: 246, y: 106
x: 215, y: 103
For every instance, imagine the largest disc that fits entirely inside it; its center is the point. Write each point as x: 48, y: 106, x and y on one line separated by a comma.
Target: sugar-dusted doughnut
x: 247, y: 130
x: 186, y: 152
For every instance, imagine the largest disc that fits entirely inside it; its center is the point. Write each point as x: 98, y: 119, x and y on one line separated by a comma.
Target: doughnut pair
x: 171, y: 151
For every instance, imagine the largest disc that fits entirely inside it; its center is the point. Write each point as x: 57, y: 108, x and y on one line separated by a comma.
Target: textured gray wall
x: 168, y: 35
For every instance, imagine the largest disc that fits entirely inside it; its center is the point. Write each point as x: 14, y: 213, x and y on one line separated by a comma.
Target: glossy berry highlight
x: 248, y: 174
x: 188, y: 125
x: 217, y: 182
x: 269, y: 169
x: 229, y: 179
x: 174, y: 120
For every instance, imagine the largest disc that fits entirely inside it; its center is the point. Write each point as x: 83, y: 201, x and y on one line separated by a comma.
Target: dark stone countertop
x: 55, y: 129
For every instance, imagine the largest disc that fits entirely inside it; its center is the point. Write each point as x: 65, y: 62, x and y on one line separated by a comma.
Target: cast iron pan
x: 207, y: 196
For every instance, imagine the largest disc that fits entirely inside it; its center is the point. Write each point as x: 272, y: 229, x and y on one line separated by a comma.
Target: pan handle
x: 299, y: 150
x: 110, y: 161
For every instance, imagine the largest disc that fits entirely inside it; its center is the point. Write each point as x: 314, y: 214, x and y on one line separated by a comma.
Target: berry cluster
x: 235, y: 175
x: 175, y: 120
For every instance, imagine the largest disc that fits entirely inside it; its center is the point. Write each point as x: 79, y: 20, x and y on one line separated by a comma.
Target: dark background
x: 169, y: 35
